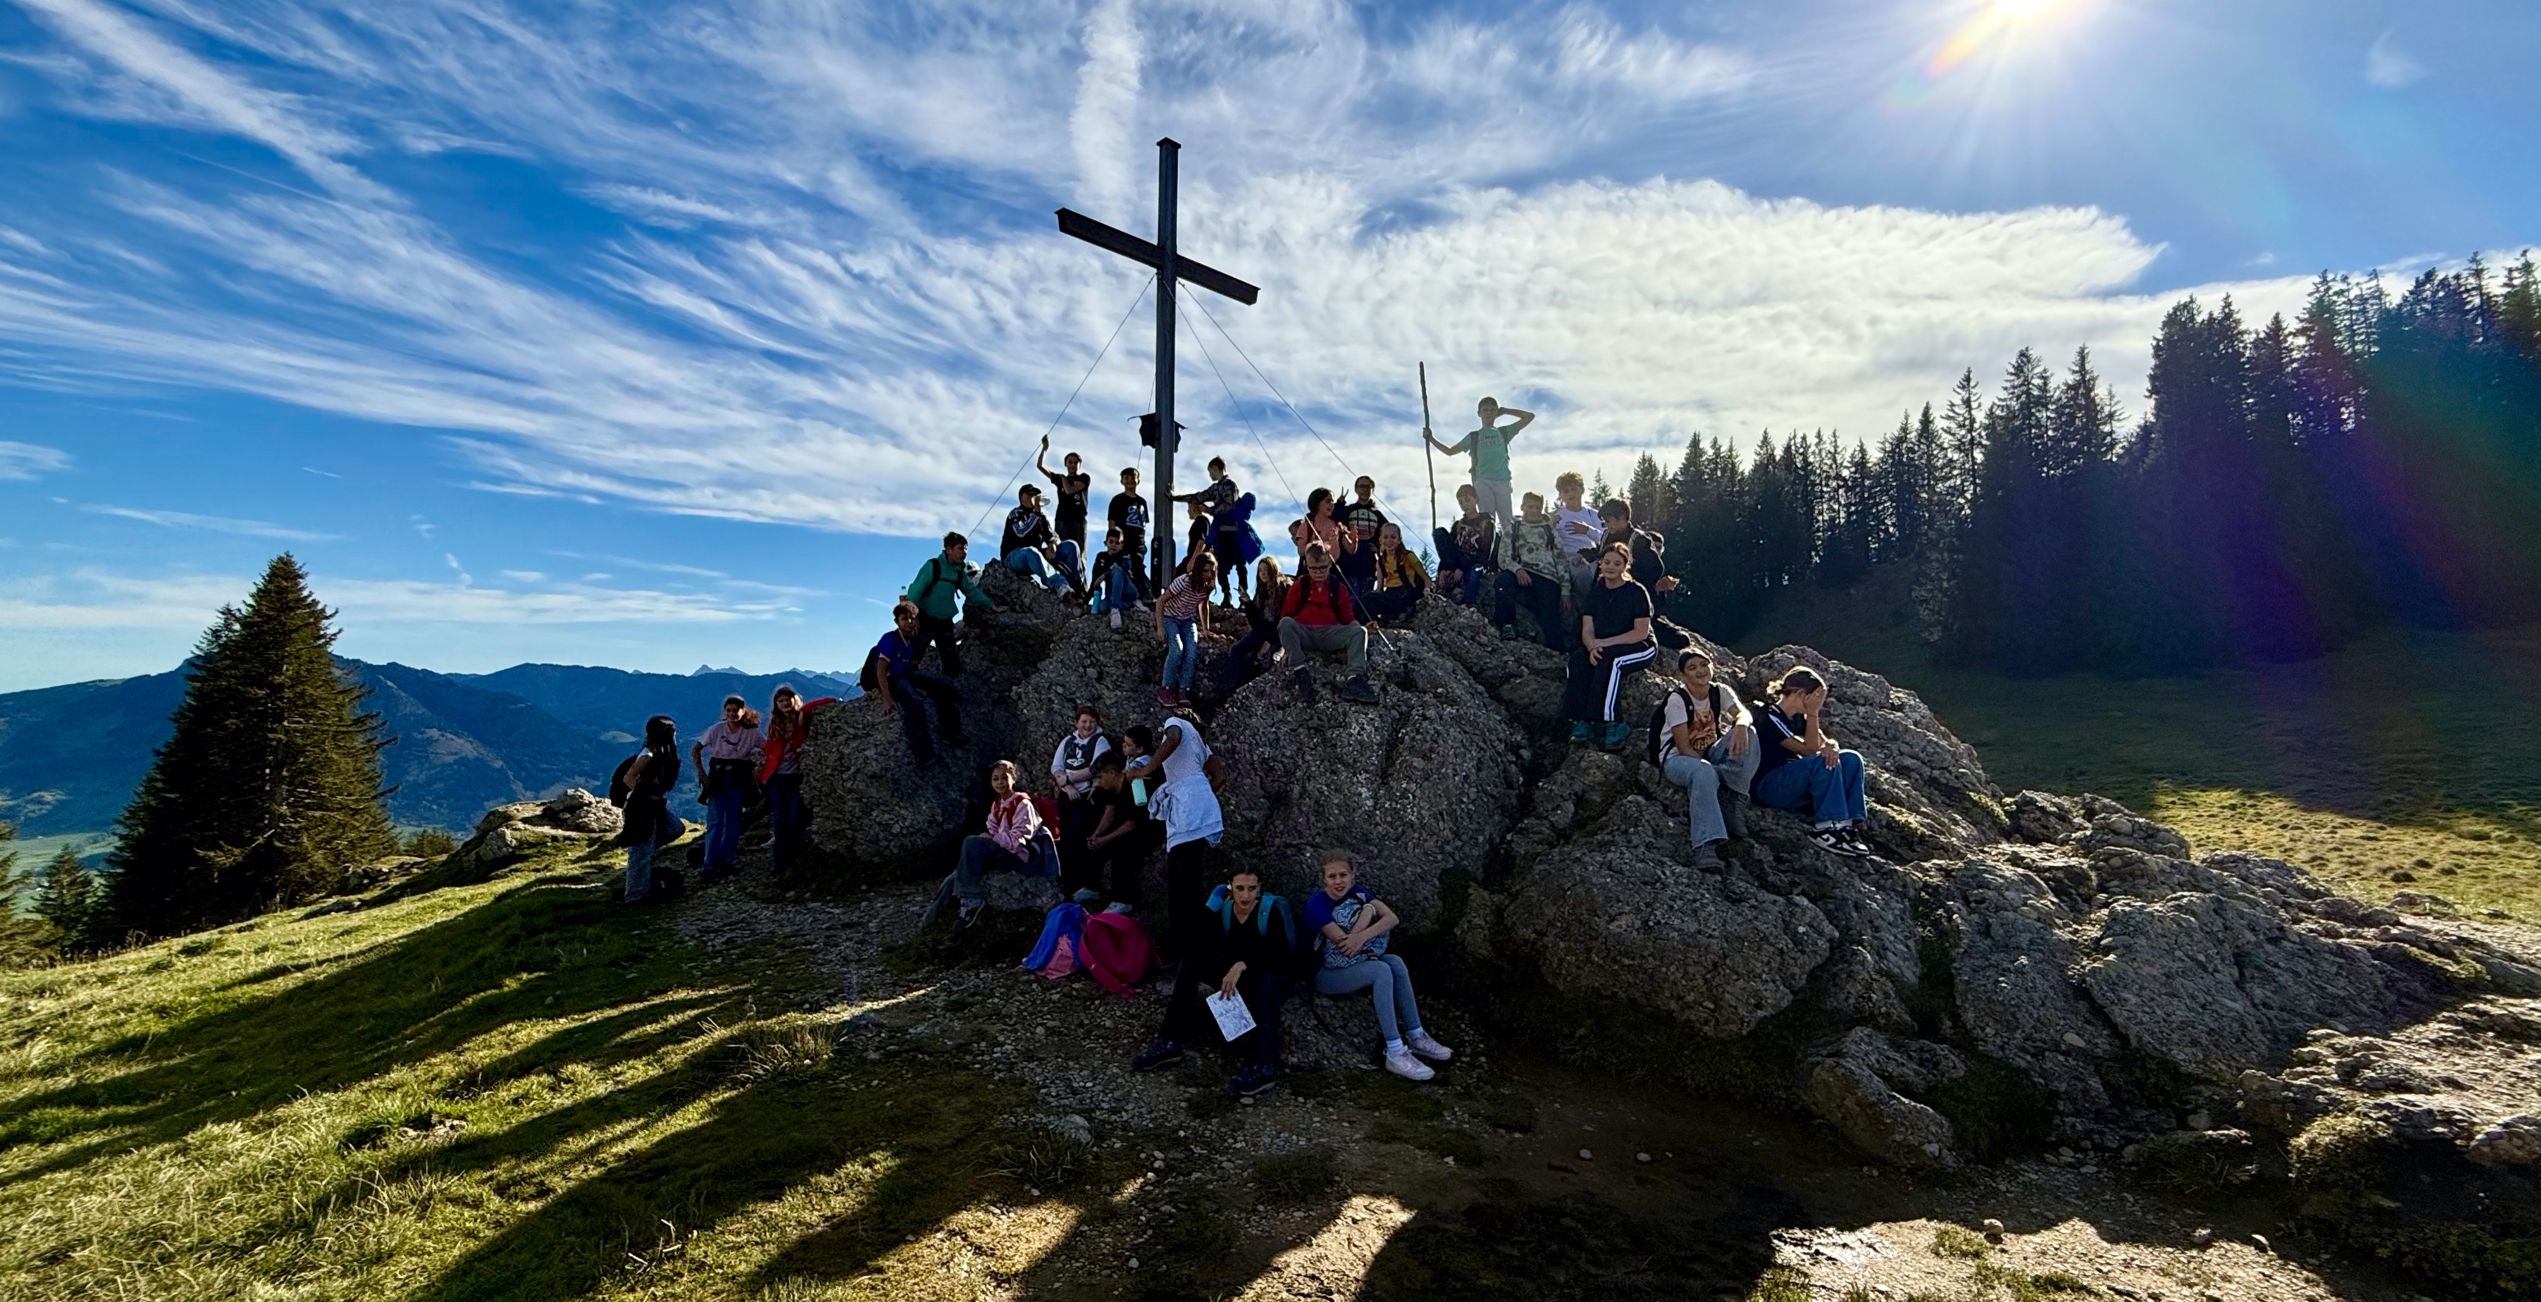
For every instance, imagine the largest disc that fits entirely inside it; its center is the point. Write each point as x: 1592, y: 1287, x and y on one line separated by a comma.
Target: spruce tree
x: 268, y: 790
x: 67, y: 899
x: 19, y: 939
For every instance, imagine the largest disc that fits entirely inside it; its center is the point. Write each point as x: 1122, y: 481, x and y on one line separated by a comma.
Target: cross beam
x: 1171, y: 268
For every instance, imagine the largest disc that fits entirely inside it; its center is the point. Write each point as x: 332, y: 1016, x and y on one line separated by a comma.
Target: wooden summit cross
x: 1170, y: 267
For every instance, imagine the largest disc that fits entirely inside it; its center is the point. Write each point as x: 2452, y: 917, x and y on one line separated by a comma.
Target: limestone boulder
x: 509, y: 833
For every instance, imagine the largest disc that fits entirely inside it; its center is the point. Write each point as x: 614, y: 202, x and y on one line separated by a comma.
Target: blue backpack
x: 1062, y: 945
x: 1271, y: 906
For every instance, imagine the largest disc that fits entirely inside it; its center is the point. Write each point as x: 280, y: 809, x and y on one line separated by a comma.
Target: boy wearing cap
x: 1031, y: 551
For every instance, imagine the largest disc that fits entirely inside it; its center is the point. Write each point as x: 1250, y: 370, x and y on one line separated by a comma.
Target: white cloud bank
x: 27, y: 460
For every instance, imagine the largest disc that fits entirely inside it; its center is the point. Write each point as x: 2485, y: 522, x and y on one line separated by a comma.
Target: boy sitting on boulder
x: 1318, y: 615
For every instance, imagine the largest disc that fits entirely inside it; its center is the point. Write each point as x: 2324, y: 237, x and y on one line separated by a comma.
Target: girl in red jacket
x: 781, y: 769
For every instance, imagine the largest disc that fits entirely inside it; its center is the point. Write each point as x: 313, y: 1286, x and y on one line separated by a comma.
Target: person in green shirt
x: 940, y: 580
x: 1490, y: 448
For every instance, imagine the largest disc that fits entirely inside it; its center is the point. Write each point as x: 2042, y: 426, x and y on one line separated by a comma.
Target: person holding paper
x: 1247, y: 952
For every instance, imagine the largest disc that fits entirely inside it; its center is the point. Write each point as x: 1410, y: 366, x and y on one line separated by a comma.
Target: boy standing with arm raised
x: 1489, y: 445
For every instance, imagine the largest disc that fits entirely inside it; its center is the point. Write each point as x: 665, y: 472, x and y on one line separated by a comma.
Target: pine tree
x: 1598, y: 493
x: 21, y: 939
x: 268, y: 789
x: 67, y: 898
x: 1647, y: 493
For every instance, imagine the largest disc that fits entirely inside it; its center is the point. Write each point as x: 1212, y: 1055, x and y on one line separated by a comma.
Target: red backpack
x: 1116, y: 953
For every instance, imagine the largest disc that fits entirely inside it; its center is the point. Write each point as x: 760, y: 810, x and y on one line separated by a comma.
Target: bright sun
x: 2023, y: 10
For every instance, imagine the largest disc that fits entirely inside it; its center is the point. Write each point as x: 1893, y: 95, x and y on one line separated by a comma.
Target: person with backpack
x: 1261, y: 621
x: 727, y: 759
x: 1217, y: 502
x: 1702, y: 741
x: 1614, y: 640
x: 1072, y: 777
x: 1115, y: 577
x: 1803, y: 771
x: 939, y: 581
x: 1128, y: 513
x: 1318, y: 615
x: 1181, y: 796
x: 1117, y: 845
x: 892, y: 675
x: 1365, y: 518
x: 1400, y: 581
x: 1182, y: 617
x: 1489, y: 444
x: 1346, y: 926
x: 643, y: 785
x: 1468, y: 549
x: 1532, y: 573
x: 1072, y: 488
x: 781, y: 769
x: 1031, y: 550
x: 1246, y: 949
x: 1014, y: 840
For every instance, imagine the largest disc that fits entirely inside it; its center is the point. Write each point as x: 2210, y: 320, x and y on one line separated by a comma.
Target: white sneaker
x: 1115, y: 907
x: 1403, y: 1064
x: 1428, y: 1047
x: 1116, y: 619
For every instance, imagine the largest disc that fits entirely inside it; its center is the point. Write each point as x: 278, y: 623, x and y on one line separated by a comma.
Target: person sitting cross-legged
x: 1348, y: 926
x: 1805, y: 772
x: 1247, y: 950
x: 1710, y: 750
x: 1318, y: 615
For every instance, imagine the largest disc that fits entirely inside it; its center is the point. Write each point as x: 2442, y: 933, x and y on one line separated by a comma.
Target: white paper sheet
x: 1234, y: 1019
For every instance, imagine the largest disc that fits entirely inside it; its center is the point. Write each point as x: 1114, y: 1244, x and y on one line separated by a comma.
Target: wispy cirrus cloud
x: 211, y: 523
x: 28, y: 460
x: 2388, y: 66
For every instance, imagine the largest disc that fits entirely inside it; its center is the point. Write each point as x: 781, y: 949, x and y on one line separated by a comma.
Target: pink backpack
x: 1115, y: 952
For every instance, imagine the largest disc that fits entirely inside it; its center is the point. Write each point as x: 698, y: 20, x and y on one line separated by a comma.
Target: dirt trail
x: 1507, y: 1176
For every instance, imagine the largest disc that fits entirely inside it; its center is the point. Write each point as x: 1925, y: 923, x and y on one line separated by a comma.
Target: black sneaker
x: 1163, y: 1053
x: 1302, y: 684
x: 1861, y: 848
x: 1358, y: 689
x: 1832, y: 841
x: 1251, y: 1081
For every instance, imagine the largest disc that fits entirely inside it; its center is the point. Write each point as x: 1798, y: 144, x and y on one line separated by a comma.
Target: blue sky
x: 665, y: 334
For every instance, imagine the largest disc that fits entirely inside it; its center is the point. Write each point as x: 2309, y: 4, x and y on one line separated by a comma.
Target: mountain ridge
x: 71, y: 754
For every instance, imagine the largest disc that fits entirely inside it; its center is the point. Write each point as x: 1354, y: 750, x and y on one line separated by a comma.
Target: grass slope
x: 2408, y: 758
x: 498, y: 1091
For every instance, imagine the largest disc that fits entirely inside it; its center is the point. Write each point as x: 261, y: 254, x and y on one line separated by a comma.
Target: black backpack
x: 619, y: 787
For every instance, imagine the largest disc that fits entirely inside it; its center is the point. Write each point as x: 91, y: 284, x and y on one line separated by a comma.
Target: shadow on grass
x: 546, y: 949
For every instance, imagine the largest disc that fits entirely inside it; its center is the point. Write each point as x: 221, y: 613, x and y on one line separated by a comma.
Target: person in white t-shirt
x: 1578, y: 531
x: 1709, y: 748
x: 1188, y: 807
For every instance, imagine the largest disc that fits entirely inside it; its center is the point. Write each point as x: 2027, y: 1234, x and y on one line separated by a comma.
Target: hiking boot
x: 1579, y: 732
x: 1251, y: 1081
x: 1707, y: 857
x: 1301, y: 684
x: 1163, y: 1053
x: 1733, y: 813
x: 1427, y: 1046
x: 1359, y: 690
x: 1403, y: 1064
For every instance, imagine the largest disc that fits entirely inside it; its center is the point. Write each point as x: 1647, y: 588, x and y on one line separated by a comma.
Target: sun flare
x: 2016, y: 11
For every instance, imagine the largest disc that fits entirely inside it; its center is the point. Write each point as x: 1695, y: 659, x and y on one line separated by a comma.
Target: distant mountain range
x: 70, y: 756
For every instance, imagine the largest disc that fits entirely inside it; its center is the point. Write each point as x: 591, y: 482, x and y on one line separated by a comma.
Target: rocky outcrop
x: 2031, y: 949
x: 507, y: 834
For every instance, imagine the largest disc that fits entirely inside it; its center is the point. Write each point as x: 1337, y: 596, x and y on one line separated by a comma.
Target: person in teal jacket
x: 940, y: 580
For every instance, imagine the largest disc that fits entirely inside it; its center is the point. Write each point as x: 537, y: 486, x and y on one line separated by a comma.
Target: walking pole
x: 1428, y: 454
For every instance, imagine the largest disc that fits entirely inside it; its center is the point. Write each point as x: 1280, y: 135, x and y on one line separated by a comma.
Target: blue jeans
x: 785, y: 817
x: 1703, y: 777
x: 981, y: 855
x: 1029, y: 563
x: 723, y: 828
x: 1830, y: 795
x: 1182, y: 651
x: 1389, y: 982
x: 639, y: 871
x: 1119, y: 590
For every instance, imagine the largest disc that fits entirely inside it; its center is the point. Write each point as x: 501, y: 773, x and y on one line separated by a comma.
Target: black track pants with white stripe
x: 1595, y: 689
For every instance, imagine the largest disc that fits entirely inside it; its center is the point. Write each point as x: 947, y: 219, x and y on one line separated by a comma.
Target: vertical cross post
x: 1168, y: 526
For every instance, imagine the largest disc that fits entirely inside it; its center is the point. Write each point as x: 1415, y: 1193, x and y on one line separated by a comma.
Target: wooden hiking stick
x: 1428, y: 453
